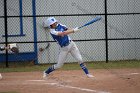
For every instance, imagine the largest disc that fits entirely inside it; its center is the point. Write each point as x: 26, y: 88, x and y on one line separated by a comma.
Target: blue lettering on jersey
x: 62, y: 41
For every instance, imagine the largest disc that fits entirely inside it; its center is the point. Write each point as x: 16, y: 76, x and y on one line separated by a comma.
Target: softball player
x: 60, y: 33
x: 12, y: 47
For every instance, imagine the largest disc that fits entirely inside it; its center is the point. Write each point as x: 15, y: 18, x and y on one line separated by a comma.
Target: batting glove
x: 76, y: 29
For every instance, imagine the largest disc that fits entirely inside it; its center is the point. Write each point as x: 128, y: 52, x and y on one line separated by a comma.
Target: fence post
x: 6, y: 31
x: 34, y: 29
x: 106, y: 35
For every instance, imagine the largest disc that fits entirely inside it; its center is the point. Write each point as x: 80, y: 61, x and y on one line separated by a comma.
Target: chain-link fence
x: 115, y: 37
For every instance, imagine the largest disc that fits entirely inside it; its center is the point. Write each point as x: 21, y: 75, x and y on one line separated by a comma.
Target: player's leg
x: 61, y: 60
x: 76, y: 54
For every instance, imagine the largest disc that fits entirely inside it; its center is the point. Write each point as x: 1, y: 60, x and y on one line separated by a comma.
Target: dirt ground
x: 73, y: 81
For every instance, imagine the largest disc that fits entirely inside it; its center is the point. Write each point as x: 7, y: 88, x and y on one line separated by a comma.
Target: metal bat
x: 91, y: 22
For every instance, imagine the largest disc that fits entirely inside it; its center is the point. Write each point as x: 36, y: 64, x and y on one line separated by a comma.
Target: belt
x: 66, y: 44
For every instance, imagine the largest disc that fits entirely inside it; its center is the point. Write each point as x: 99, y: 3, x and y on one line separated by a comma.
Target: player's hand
x: 76, y: 29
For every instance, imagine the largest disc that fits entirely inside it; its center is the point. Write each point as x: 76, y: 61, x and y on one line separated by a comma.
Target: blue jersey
x: 62, y: 40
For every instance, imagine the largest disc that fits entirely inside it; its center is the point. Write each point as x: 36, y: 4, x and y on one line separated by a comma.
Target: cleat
x: 90, y: 76
x: 45, y: 75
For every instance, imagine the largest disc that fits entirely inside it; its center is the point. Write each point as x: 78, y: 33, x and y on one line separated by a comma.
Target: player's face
x: 54, y: 25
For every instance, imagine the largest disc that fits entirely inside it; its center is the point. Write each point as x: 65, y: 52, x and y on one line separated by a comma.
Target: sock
x: 50, y: 69
x: 84, y: 68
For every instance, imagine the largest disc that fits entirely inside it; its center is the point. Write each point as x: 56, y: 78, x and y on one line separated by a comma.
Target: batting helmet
x: 49, y: 22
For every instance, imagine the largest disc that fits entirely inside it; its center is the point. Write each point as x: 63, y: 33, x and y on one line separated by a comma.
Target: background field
x: 26, y: 67
x: 111, y: 77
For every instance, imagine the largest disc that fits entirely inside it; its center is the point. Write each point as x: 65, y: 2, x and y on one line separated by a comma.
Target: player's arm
x: 68, y: 31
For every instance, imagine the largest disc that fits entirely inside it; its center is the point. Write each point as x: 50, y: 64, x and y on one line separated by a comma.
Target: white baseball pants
x: 64, y: 51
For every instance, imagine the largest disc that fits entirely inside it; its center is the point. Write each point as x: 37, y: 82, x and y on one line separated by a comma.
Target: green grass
x: 73, y: 66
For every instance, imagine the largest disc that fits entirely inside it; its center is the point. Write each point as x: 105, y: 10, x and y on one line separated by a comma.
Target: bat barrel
x: 94, y: 20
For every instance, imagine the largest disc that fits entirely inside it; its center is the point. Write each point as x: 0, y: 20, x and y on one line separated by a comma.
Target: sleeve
x: 52, y: 31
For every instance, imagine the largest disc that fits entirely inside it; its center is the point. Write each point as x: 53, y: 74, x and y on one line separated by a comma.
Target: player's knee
x: 79, y: 60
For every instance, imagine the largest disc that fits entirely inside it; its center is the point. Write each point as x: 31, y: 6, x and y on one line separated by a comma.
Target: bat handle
x: 80, y: 27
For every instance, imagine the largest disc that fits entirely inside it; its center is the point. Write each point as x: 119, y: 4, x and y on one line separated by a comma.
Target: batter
x: 60, y: 33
